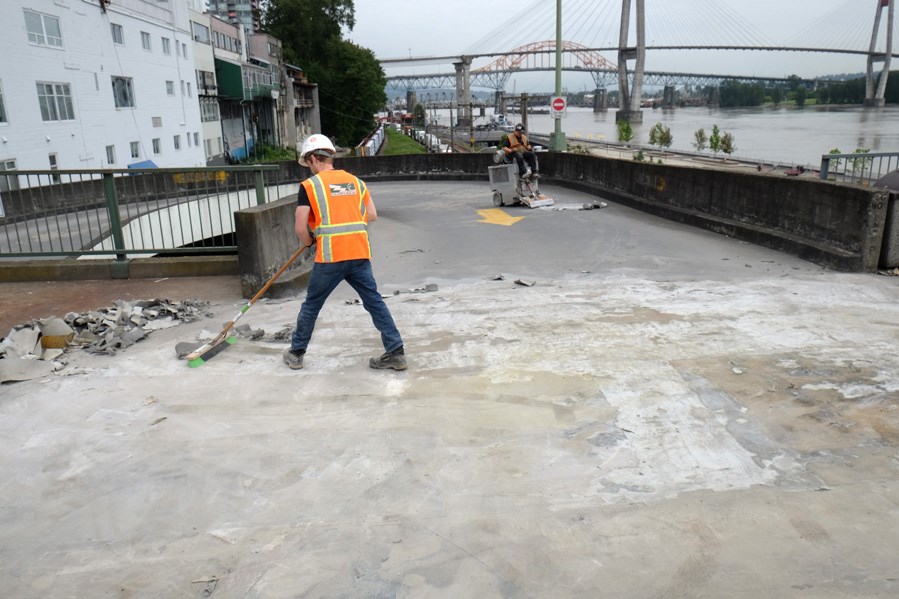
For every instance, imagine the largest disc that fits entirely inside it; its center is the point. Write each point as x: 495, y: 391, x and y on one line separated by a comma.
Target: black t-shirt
x: 302, y: 198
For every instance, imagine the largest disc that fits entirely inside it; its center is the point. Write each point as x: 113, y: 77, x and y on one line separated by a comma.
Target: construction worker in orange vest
x: 337, y: 208
x: 516, y: 146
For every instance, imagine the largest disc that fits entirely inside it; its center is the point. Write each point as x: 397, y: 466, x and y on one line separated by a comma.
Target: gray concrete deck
x: 665, y: 413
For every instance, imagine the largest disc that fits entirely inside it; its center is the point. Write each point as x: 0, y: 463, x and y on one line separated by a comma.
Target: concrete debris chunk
x: 185, y: 348
x: 244, y: 330
x: 23, y: 341
x: 525, y: 282
x: 429, y: 288
x: 104, y: 331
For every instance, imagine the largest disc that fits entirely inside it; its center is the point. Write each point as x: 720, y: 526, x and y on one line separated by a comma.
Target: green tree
x: 625, y: 131
x: 350, y: 80
x: 660, y: 135
x: 700, y: 140
x: 418, y: 115
x: 777, y: 95
x: 715, y: 140
x: 800, y: 95
x: 727, y: 144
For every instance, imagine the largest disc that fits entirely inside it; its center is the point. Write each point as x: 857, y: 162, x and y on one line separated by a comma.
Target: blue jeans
x: 324, y: 279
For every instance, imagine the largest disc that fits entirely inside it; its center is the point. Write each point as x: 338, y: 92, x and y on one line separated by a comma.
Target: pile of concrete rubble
x: 38, y: 348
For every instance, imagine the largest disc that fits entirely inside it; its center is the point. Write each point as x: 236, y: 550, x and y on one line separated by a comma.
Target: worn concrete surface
x: 666, y: 413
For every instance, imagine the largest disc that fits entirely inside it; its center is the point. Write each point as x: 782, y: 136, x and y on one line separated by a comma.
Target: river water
x: 790, y: 136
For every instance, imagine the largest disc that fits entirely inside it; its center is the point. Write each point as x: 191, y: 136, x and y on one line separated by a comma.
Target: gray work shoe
x: 395, y: 360
x: 293, y: 359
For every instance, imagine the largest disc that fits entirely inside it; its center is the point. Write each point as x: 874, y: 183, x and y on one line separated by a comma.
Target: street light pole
x: 557, y: 141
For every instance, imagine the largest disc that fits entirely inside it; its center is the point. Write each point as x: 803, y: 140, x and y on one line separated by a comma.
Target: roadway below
x: 653, y: 411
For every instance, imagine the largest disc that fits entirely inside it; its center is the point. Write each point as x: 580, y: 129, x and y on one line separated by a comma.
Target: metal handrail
x: 121, y: 212
x: 863, y: 168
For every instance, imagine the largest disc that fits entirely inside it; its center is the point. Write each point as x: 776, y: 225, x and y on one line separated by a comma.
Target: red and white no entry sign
x: 558, y: 105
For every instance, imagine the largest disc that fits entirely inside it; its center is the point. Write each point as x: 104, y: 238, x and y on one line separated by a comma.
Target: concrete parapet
x: 266, y: 240
x: 838, y: 226
x: 835, y: 225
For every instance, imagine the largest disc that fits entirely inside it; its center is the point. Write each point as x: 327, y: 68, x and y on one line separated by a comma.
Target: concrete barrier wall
x: 266, y: 240
x: 838, y: 226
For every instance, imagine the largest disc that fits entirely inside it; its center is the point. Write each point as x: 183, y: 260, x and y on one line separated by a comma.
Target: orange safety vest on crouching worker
x: 338, y: 217
x: 518, y: 146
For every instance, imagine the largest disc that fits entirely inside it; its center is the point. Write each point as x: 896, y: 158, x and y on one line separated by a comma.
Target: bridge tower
x: 629, y: 103
x: 463, y: 90
x: 874, y: 91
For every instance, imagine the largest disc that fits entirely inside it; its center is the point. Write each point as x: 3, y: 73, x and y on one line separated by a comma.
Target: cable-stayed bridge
x: 654, y: 28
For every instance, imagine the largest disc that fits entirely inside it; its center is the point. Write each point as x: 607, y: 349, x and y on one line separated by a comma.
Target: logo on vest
x: 342, y: 189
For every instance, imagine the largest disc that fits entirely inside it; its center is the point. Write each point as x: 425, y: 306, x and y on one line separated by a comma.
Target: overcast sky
x: 398, y: 28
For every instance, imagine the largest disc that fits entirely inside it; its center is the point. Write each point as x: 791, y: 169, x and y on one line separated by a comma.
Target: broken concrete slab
x: 12, y: 370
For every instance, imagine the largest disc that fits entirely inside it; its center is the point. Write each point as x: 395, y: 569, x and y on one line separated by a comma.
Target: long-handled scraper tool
x: 207, y: 351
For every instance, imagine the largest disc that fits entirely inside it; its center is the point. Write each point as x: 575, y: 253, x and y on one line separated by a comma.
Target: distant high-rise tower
x: 243, y: 12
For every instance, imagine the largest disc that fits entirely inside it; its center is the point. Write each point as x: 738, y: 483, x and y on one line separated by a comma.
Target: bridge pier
x: 498, y: 105
x: 629, y: 106
x: 875, y: 89
x: 631, y: 116
x: 668, y: 97
x: 600, y: 100
x: 463, y: 90
x: 410, y: 100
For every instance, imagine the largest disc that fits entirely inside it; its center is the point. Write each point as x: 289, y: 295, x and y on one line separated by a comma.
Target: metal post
x: 557, y: 142
x: 119, y: 268
x: 260, y: 186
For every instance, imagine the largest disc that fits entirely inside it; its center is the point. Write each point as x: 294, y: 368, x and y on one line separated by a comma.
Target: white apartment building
x: 207, y: 87
x: 88, y: 84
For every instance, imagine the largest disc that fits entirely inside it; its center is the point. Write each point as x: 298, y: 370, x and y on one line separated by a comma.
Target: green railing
x: 122, y: 212
x: 863, y: 168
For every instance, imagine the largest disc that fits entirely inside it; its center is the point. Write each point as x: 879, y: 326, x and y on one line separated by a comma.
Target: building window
x: 8, y: 182
x: 110, y: 154
x: 177, y: 142
x: 196, y: 138
x: 118, y: 36
x: 55, y: 100
x: 157, y: 145
x: 188, y: 89
x: 182, y: 87
x: 207, y: 147
x: 170, y: 88
x: 166, y: 46
x: 209, y: 110
x: 145, y: 41
x: 201, y: 32
x: 184, y: 49
x: 54, y: 165
x: 43, y: 29
x: 123, y: 92
x: 157, y: 121
x: 135, y: 149
x: 2, y: 109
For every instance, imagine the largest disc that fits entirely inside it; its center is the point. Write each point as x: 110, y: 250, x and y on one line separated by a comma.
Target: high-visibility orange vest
x: 338, y: 217
x: 514, y: 143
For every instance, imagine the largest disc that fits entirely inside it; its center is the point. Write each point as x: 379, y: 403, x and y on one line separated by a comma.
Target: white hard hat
x: 313, y: 143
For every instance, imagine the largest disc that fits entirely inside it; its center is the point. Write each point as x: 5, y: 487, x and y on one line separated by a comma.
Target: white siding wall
x: 87, y: 62
x: 204, y: 60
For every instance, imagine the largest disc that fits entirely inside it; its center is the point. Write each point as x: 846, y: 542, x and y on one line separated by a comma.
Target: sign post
x: 557, y: 105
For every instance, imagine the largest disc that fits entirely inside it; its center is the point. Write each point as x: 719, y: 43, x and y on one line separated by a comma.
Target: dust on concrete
x: 732, y: 438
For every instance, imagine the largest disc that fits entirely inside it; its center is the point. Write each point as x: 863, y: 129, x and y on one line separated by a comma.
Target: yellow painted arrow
x: 495, y: 216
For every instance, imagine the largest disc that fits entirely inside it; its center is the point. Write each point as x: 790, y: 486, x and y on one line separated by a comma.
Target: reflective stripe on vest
x: 326, y: 232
